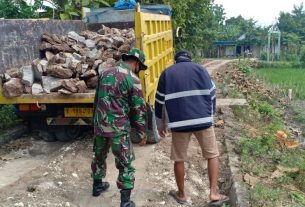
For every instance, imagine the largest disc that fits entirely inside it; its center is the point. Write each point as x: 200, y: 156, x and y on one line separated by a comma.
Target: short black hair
x: 183, y: 53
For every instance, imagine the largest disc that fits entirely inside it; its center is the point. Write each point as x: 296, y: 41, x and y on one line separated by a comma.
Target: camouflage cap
x: 136, y: 54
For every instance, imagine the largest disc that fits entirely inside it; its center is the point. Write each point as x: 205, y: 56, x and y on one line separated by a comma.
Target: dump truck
x: 65, y: 117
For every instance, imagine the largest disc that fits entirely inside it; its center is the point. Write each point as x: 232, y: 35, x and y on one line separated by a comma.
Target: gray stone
x: 37, y: 89
x: 89, y: 74
x: 28, y: 75
x: 13, y: 88
x: 7, y: 77
x: 37, y: 68
x: 77, y: 56
x: 73, y: 35
x: 84, y: 67
x: 44, y: 64
x: 51, y: 84
x: 94, y: 54
x: 90, y: 43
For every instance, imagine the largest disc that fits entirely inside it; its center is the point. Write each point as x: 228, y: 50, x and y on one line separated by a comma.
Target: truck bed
x: 52, y: 98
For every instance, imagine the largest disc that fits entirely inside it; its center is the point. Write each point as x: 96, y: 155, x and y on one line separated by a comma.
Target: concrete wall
x: 20, y: 39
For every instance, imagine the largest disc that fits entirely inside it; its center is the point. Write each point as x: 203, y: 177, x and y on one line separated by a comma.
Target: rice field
x: 284, y: 79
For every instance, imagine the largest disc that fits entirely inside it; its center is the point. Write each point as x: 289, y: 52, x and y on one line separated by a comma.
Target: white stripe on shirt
x: 190, y: 122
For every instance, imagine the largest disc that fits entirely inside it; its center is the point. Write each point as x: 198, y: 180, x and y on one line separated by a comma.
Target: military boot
x: 99, y: 187
x: 125, y: 199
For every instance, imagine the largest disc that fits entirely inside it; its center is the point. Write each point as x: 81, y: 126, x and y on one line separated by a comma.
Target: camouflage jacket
x: 119, y: 103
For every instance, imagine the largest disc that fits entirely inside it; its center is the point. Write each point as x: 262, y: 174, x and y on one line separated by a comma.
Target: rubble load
x: 70, y: 64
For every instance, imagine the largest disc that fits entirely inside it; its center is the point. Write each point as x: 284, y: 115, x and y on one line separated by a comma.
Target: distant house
x: 240, y: 47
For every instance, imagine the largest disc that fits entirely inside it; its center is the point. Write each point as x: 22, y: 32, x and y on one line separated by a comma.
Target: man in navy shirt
x: 186, y: 98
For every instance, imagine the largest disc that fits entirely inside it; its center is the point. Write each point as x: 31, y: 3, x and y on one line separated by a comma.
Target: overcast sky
x: 264, y: 11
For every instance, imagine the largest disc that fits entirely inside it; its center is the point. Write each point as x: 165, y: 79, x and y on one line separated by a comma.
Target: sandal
x: 218, y: 203
x: 174, y: 195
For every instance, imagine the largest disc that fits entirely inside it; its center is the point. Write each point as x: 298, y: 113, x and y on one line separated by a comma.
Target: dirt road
x: 36, y: 174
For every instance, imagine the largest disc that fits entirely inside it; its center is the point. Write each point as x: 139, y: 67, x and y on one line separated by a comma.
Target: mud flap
x: 151, y: 129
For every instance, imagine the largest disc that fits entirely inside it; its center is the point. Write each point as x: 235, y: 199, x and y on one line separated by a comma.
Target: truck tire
x: 67, y: 133
x: 47, y: 136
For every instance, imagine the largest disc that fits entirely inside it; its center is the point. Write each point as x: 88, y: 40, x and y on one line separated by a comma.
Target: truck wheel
x: 47, y: 136
x: 68, y: 133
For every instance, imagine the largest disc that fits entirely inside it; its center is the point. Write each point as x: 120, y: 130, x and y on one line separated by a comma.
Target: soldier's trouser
x: 123, y: 151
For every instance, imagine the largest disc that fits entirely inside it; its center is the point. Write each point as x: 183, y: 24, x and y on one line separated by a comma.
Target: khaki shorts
x: 206, y: 139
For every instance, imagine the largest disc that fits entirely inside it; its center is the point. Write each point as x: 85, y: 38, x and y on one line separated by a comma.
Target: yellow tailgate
x: 155, y: 37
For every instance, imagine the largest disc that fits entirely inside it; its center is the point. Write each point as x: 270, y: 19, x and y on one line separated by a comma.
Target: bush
x: 263, y: 55
x: 7, y: 116
x: 292, y: 58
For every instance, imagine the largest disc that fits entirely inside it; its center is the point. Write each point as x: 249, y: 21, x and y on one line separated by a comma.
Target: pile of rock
x: 71, y: 63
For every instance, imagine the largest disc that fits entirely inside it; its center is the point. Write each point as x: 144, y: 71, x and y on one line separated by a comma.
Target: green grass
x: 284, y: 79
x: 260, y: 153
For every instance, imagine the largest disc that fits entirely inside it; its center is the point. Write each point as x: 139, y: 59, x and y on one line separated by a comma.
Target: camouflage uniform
x: 119, y: 103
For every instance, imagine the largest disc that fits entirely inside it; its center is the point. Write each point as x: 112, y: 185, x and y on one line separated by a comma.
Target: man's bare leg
x: 213, y: 171
x: 179, y: 175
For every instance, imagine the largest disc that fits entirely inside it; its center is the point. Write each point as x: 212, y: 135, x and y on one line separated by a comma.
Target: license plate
x: 79, y: 112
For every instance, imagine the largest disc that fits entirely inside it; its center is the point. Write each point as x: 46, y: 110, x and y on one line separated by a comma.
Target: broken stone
x: 96, y: 64
x: 49, y: 55
x: 84, y: 67
x: 94, y: 54
x: 125, y: 48
x: 118, y: 41
x: 107, y: 54
x: 44, y: 64
x: 59, y: 72
x: 27, y: 75
x: 13, y: 88
x: 51, y: 84
x: 27, y: 90
x: 73, y: 35
x: 76, y: 48
x: 70, y: 85
x: 81, y: 86
x: 90, y: 44
x: 117, y: 55
x: 7, y: 77
x: 103, y: 67
x: 37, y: 68
x: 111, y: 62
x: 14, y: 73
x: 89, y: 74
x: 64, y: 92
x: 37, y: 89
x: 45, y: 46
x: 92, y: 82
x: 105, y: 30
x: 88, y: 34
x: 62, y: 48
x: 77, y: 56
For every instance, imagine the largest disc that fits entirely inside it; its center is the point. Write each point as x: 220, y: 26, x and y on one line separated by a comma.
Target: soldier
x: 118, y: 104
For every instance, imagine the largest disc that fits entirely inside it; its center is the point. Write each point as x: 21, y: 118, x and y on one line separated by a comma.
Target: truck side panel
x: 155, y: 37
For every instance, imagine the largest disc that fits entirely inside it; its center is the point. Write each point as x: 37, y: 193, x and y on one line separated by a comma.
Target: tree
x: 16, y: 9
